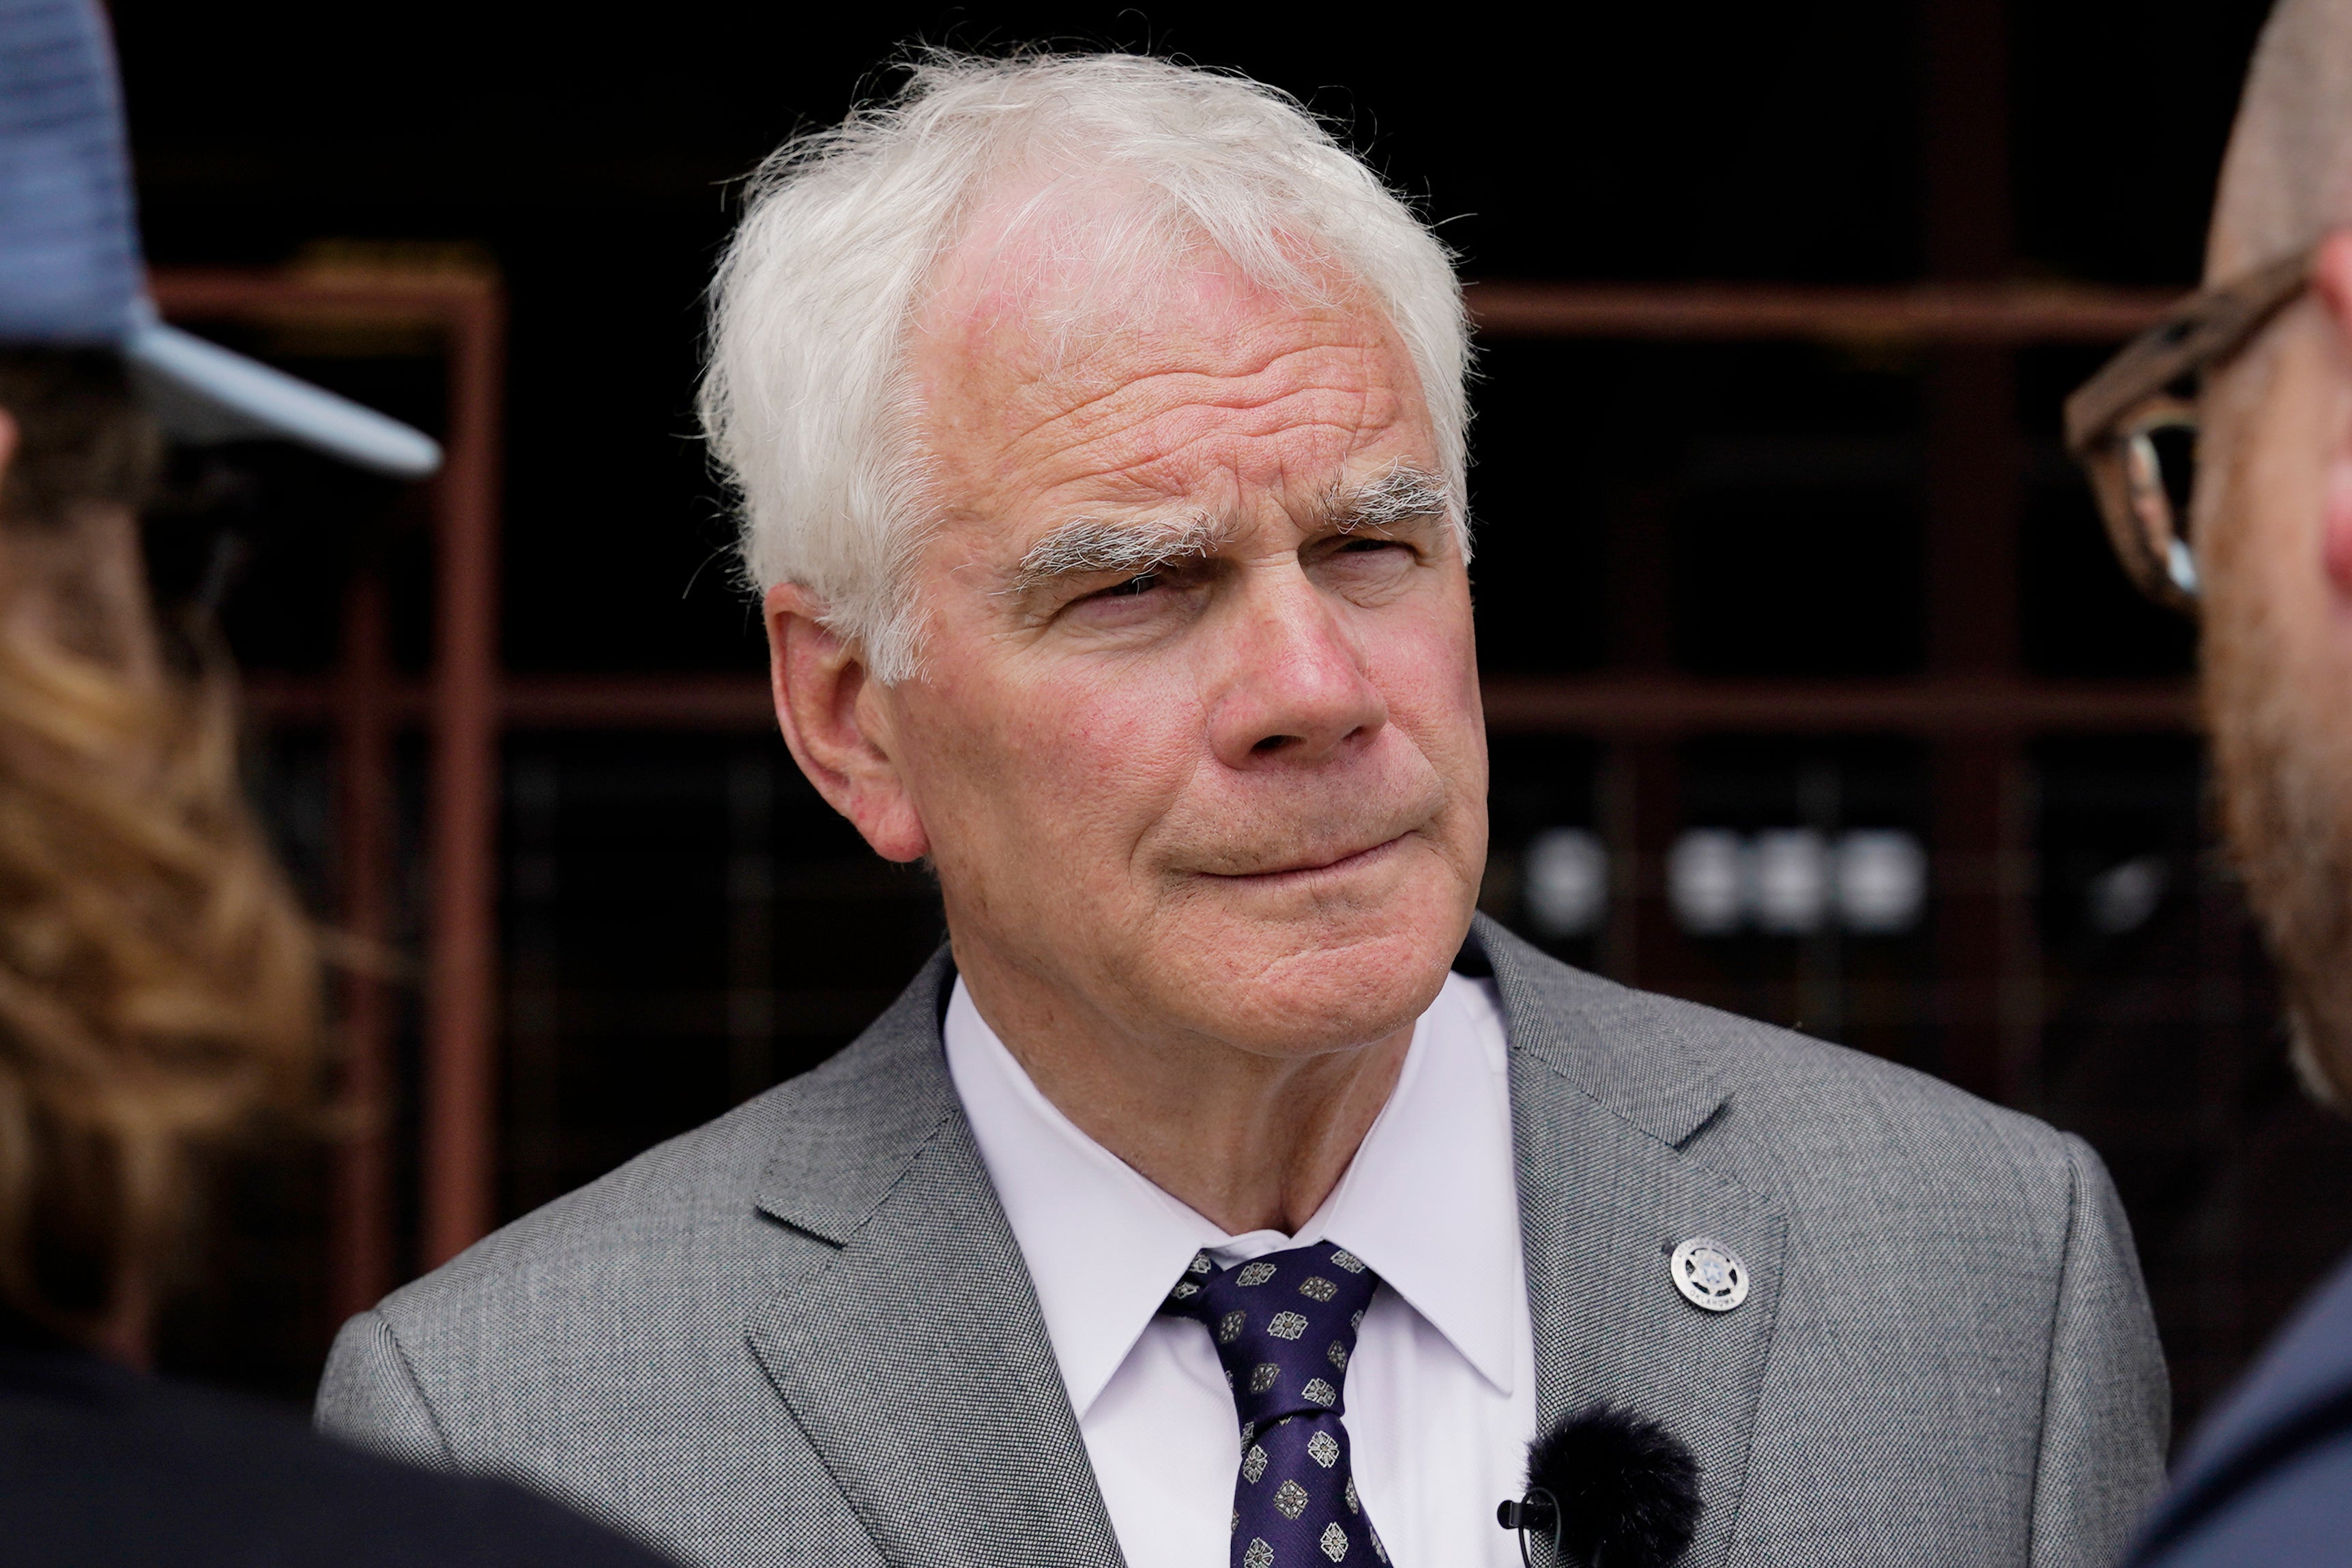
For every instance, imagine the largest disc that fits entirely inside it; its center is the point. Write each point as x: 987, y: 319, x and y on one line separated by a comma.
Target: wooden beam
x: 463, y: 712
x: 1676, y: 706
x: 1982, y: 923
x: 300, y: 296
x: 1991, y: 313
x: 458, y: 1146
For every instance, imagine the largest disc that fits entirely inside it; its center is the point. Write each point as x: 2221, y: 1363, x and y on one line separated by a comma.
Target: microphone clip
x: 1535, y: 1517
x: 1606, y: 1489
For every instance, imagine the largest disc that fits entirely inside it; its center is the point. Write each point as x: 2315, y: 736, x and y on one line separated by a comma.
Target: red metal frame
x: 458, y: 1200
x: 1990, y: 314
x: 1972, y: 708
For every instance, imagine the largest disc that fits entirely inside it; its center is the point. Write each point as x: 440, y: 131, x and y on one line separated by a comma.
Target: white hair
x: 808, y: 402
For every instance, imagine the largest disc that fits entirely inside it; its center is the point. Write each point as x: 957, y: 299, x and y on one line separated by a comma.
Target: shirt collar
x: 1431, y: 1200
x: 1104, y: 1246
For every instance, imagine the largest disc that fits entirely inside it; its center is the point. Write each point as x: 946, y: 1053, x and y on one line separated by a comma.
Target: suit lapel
x: 912, y: 1354
x: 911, y: 1351
x: 1603, y: 1107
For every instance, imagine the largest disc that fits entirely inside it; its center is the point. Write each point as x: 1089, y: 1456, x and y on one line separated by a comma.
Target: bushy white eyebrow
x: 1404, y: 493
x: 1091, y: 546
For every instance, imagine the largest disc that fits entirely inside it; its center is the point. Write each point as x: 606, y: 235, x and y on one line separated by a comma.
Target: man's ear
x: 837, y: 724
x: 2331, y: 280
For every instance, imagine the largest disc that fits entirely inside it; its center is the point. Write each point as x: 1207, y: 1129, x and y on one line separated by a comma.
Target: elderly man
x: 1224, y: 1192
x: 2269, y: 1476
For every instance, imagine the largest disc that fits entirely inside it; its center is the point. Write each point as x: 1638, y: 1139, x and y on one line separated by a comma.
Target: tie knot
x: 1284, y: 1326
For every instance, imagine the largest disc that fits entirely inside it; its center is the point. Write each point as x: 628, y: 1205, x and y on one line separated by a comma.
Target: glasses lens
x: 2170, y: 450
x: 2175, y: 444
x: 2159, y: 476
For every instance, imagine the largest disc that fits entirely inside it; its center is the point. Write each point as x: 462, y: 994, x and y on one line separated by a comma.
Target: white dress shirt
x: 1440, y: 1397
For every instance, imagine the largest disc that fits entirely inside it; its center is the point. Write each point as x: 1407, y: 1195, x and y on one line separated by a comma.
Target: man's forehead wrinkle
x: 1005, y: 439
x: 1194, y: 374
x: 997, y: 367
x: 1172, y: 418
x: 1154, y: 418
x: 1158, y: 432
x: 1178, y: 473
x: 999, y: 332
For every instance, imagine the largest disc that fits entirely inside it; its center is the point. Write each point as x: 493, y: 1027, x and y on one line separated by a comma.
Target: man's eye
x: 1141, y: 584
x: 1371, y: 547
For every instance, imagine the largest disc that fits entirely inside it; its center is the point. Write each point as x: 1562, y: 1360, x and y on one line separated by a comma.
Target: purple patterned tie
x: 1284, y: 1325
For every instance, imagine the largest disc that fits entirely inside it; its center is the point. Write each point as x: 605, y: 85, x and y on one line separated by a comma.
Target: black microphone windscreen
x: 1627, y: 1488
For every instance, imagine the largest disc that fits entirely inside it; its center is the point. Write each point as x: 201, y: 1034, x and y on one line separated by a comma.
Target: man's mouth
x: 1316, y: 866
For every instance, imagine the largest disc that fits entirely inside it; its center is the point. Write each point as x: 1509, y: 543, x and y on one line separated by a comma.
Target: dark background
x: 684, y: 924
x: 593, y: 159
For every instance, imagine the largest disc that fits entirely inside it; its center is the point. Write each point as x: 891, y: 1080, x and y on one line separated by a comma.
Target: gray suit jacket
x: 804, y: 1333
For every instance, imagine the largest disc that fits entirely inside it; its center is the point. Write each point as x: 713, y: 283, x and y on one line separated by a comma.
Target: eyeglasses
x: 2137, y: 437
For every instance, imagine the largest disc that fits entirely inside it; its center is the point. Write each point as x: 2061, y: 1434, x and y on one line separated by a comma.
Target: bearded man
x: 1225, y: 1192
x: 2267, y: 569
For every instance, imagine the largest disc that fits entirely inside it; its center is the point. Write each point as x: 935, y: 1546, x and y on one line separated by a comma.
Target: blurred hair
x: 158, y: 981
x: 807, y: 400
x: 82, y: 439
x: 2288, y: 177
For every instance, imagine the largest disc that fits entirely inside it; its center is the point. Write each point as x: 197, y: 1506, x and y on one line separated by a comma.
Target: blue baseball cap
x: 71, y: 275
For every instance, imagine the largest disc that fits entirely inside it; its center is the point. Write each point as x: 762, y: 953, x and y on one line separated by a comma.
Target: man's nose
x: 1297, y: 687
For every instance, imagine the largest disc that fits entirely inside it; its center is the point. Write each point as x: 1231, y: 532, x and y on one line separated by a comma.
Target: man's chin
x: 1285, y: 987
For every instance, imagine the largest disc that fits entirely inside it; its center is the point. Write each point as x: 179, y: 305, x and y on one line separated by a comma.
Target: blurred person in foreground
x: 158, y: 982
x: 2256, y: 541
x: 1225, y: 1192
